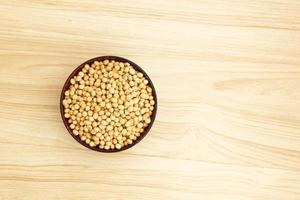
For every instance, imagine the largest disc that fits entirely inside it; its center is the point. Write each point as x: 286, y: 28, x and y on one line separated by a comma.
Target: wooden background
x: 227, y: 74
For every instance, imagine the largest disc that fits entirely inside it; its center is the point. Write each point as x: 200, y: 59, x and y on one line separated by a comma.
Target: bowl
x: 67, y: 86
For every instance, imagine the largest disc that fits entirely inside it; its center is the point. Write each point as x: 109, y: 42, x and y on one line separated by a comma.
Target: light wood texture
x: 227, y: 75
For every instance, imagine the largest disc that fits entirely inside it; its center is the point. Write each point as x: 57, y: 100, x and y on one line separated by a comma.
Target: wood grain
x: 227, y: 75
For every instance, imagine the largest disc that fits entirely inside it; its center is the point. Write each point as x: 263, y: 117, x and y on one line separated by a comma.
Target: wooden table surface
x: 227, y: 75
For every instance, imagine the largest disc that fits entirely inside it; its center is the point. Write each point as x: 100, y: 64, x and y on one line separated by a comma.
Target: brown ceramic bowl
x: 67, y: 85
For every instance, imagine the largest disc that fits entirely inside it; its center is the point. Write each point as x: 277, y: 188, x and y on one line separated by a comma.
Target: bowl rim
x: 67, y: 85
